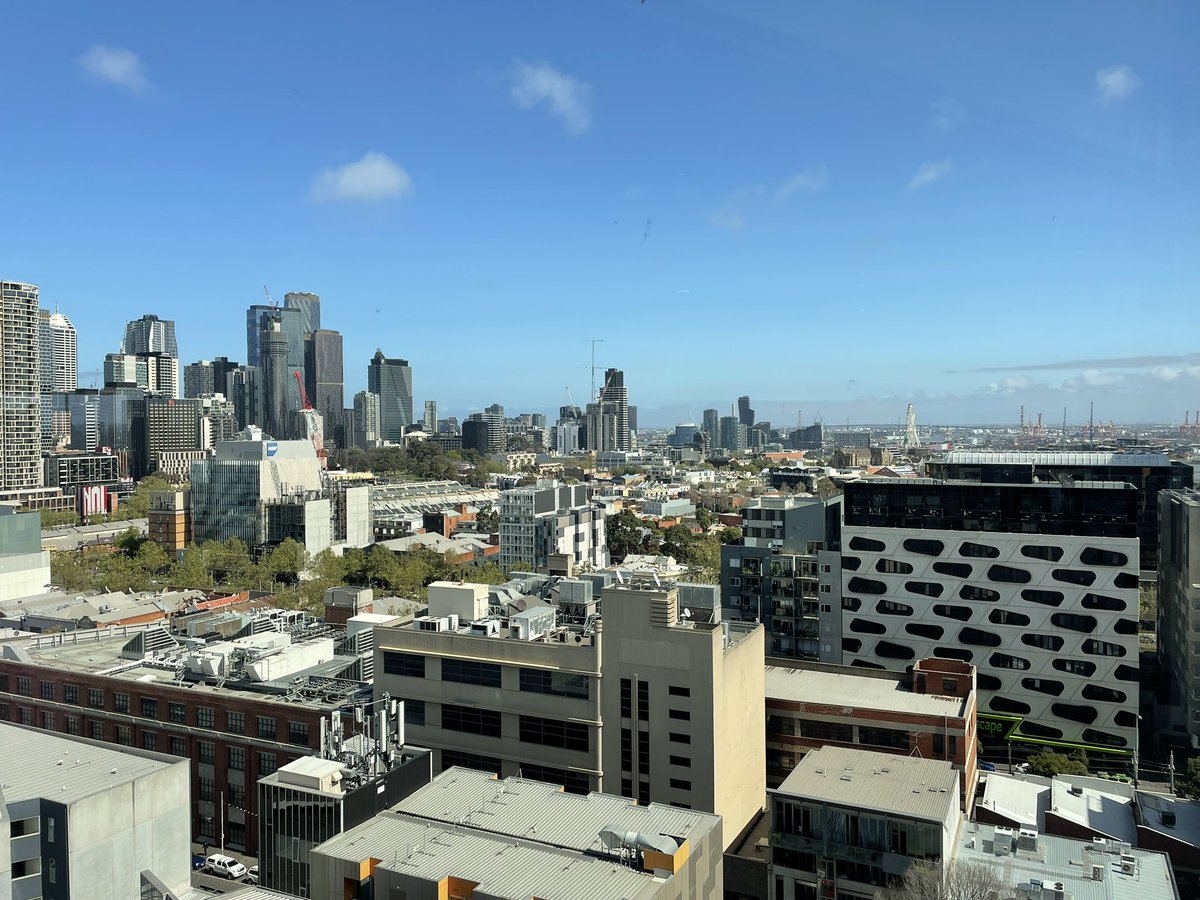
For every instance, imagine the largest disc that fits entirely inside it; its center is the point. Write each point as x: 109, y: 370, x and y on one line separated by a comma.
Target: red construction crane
x: 314, y: 427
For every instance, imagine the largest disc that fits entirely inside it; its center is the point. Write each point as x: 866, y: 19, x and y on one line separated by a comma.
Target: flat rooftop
x: 1053, y: 458
x: 909, y: 786
x: 1070, y: 861
x: 1187, y: 816
x: 803, y: 685
x: 66, y: 769
x: 516, y: 838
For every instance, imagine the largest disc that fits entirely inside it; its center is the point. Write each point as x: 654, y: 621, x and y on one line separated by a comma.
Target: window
x: 471, y: 720
x: 681, y: 784
x: 1008, y: 575
x: 677, y: 738
x: 988, y: 682
x: 643, y: 745
x: 177, y: 712
x: 1097, y: 692
x: 1125, y: 626
x: 125, y: 735
x: 206, y: 752
x: 408, y: 664
x: 47, y: 720
x: 867, y: 626
x: 851, y: 563
x: 889, y: 650
x: 1083, y: 714
x: 466, y: 671
x: 1103, y: 738
x: 1042, y: 551
x: 206, y: 789
x: 24, y: 686
x: 149, y: 708
x: 682, y: 714
x: 978, y: 551
x: 1096, y: 601
x: 682, y: 761
x: 1043, y: 685
x: 970, y: 592
x: 235, y: 722
x: 1074, y: 576
x: 1126, y: 673
x: 949, y: 685
x: 97, y: 730
x: 1094, y: 556
x: 939, y: 744
x: 559, y: 684
x: 1125, y: 580
x: 676, y: 691
x: 852, y: 604
x: 555, y: 733
x: 4, y: 712
x: 1074, y: 622
x: 883, y: 737
x: 1046, y: 598
x: 860, y: 585
x: 205, y: 718
x: 1007, y: 617
x: 851, y: 645
x: 920, y: 629
x: 414, y: 712
x: 1042, y: 641
x: 469, y: 761
x: 953, y: 569
x: 298, y: 733
x: 643, y: 701
x: 47, y: 690
x: 237, y: 758
x: 237, y: 795
x: 74, y: 724
x: 121, y: 702
x: 867, y: 544
x: 149, y: 740
x: 626, y: 698
x: 626, y: 750
x: 893, y: 567
x: 1004, y: 661
x: 265, y: 727
x: 267, y: 763
x: 1102, y: 648
x: 177, y: 746
x: 26, y: 715
x: 924, y: 546
x: 953, y: 653
x: 70, y: 693
x: 892, y: 608
x: 826, y: 731
x: 1075, y: 667
x: 924, y: 588
x: 962, y: 613
x: 1038, y: 730
x: 572, y: 782
x: 1002, y: 704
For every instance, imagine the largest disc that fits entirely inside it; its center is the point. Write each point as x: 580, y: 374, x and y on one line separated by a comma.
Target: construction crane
x: 312, y: 422
x: 271, y: 302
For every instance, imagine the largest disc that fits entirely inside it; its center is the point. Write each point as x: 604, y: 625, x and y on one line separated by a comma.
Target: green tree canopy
x: 1048, y: 763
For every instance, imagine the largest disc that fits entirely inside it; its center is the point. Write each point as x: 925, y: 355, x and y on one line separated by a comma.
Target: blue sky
x: 836, y: 210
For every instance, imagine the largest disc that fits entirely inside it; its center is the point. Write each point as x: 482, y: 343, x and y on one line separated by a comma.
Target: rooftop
x: 1152, y: 807
x: 1101, y: 806
x: 805, y: 685
x: 516, y: 838
x: 1058, y: 859
x: 908, y: 786
x: 44, y: 764
x: 1052, y: 458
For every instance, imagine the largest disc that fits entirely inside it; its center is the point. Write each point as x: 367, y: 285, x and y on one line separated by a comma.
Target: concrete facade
x: 1179, y: 604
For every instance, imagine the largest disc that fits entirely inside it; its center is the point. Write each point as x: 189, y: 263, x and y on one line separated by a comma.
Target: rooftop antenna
x: 1062, y: 443
x: 1092, y: 425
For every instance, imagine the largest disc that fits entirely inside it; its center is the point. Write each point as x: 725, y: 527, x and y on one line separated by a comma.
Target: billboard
x: 91, y: 500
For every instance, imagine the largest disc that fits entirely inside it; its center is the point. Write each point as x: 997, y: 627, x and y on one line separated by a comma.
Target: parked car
x: 197, y: 860
x: 252, y: 875
x: 224, y: 866
x: 987, y: 767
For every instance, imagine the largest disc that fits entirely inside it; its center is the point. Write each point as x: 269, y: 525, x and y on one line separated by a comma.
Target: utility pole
x: 1171, y: 770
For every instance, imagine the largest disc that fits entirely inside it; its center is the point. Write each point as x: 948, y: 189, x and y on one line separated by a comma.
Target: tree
x: 137, y: 504
x: 729, y: 534
x: 286, y: 562
x: 1188, y: 781
x: 704, y: 518
x: 1047, y: 763
x: 487, y: 520
x: 623, y: 532
x: 960, y: 881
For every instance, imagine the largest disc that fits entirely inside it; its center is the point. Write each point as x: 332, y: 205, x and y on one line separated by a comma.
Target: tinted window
x: 1042, y: 551
x: 1125, y: 580
x: 987, y: 682
x: 869, y: 544
x: 979, y: 637
x: 1037, y: 730
x: 1099, y: 601
x: 1103, y: 738
x: 1073, y: 713
x: 970, y: 592
x: 924, y: 588
x: 980, y: 551
x: 866, y: 626
x: 851, y: 563
x: 1046, y: 598
x: 1125, y: 673
x: 1094, y: 556
x: 851, y: 645
x: 1099, y: 692
x: 1008, y: 574
x: 1076, y: 667
x: 955, y: 570
x: 924, y: 546
x: 1125, y: 626
x: 1102, y: 648
x: 888, y: 650
x: 1074, y: 576
x: 1126, y: 718
x: 1005, y: 661
x: 1002, y: 704
x: 891, y: 608
x: 962, y: 613
x: 1007, y: 617
x: 1043, y: 685
x: 920, y: 629
x: 853, y: 604
x: 953, y: 653
x: 859, y: 585
x: 1042, y: 641
x: 1074, y: 622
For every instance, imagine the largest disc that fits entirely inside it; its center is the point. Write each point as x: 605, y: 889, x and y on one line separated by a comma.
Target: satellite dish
x: 687, y: 613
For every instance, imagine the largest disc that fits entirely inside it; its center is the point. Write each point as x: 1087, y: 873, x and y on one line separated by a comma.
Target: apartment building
x: 1034, y: 584
x: 69, y: 469
x: 20, y: 386
x: 846, y: 822
x: 505, y: 686
x: 772, y: 575
x: 238, y: 709
x: 169, y: 520
x: 929, y: 712
x: 547, y: 519
x: 1179, y: 608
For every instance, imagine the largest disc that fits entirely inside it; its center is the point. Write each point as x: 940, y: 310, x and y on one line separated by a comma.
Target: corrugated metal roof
x: 1053, y: 458
x: 876, y: 782
x: 862, y: 691
x: 44, y: 764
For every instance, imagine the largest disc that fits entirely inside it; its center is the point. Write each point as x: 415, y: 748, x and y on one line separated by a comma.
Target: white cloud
x: 809, y: 181
x: 1010, y: 385
x: 567, y: 97
x: 116, y: 65
x: 1172, y: 373
x: 1116, y: 83
x: 929, y: 172
x: 374, y: 177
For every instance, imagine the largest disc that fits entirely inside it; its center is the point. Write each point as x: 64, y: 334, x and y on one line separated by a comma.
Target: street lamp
x: 1137, y: 743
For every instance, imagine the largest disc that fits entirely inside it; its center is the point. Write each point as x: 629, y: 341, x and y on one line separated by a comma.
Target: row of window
x: 462, y: 671
x: 1089, y: 556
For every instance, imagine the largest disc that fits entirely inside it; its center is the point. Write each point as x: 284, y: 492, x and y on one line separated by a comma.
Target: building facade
x: 150, y: 334
x: 1179, y: 605
x: 24, y: 566
x: 1036, y: 585
x: 391, y: 381
x: 59, y: 375
x: 366, y: 419
x: 20, y: 387
x: 323, y: 377
x: 549, y: 518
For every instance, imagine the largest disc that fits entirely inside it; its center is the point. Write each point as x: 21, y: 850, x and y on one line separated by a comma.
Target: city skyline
x: 878, y: 216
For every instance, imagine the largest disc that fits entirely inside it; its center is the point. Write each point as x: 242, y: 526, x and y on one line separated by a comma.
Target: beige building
x: 469, y: 835
x: 514, y: 691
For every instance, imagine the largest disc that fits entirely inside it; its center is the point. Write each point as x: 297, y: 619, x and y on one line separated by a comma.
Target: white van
x: 225, y: 866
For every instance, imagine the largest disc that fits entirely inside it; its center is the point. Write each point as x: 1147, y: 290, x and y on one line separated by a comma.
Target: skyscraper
x: 199, y: 378
x: 150, y: 334
x: 58, y: 357
x: 243, y: 388
x: 391, y: 379
x: 431, y: 416
x: 614, y: 400
x: 291, y: 323
x: 712, y: 428
x: 323, y: 377
x: 222, y: 366
x: 273, y: 347
x: 309, y: 306
x: 20, y: 387
x: 366, y: 419
x: 745, y: 412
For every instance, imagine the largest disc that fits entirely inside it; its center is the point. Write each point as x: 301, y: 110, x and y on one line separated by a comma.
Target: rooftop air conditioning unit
x: 1097, y: 872
x: 1056, y: 889
x: 1128, y: 864
x: 1027, y: 839
x: 433, y: 623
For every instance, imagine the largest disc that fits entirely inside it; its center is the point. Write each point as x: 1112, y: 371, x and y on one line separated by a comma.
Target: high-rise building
x: 712, y: 428
x: 549, y: 519
x: 59, y: 375
x: 391, y: 381
x: 162, y: 425
x: 200, y: 378
x: 157, y: 373
x: 1179, y: 604
x: 20, y: 387
x: 1034, y: 584
x: 366, y: 419
x: 745, y: 412
x: 222, y: 366
x: 323, y: 377
x: 243, y: 387
x: 309, y: 306
x: 431, y: 416
x: 273, y: 351
x: 614, y: 399
x: 291, y: 324
x: 734, y: 436
x: 150, y: 334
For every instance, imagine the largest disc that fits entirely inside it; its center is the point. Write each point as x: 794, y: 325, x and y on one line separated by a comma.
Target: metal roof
x: 925, y: 789
x: 803, y: 685
x: 516, y: 838
x: 1053, y: 458
x: 44, y: 764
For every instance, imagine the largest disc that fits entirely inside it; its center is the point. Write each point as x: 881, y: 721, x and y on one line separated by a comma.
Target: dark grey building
x: 614, y: 400
x: 243, y: 388
x: 1179, y: 608
x: 323, y: 377
x: 199, y: 378
x: 162, y: 425
x: 391, y: 380
x: 291, y: 323
x: 309, y: 306
x: 745, y: 412
x: 273, y: 351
